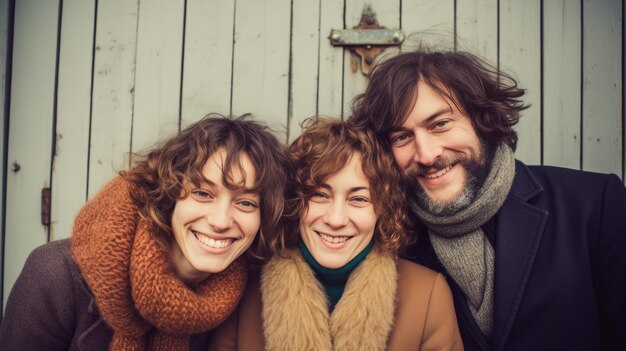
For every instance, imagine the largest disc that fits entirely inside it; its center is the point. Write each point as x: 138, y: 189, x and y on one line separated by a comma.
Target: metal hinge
x: 46, y: 195
x: 367, y: 40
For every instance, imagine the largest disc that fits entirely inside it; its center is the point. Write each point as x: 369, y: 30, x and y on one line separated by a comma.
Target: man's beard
x: 476, y: 172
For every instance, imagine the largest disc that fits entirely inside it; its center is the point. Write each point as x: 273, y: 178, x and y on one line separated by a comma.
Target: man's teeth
x: 217, y: 244
x: 333, y: 239
x: 438, y: 174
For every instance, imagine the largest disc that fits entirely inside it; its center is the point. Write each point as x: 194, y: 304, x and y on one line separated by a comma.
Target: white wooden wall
x: 92, y: 80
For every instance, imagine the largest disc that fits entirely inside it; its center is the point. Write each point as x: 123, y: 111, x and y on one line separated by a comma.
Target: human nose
x: 220, y: 218
x: 335, y: 216
x: 427, y: 150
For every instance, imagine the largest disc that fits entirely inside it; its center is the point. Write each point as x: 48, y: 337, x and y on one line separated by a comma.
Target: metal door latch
x: 367, y: 40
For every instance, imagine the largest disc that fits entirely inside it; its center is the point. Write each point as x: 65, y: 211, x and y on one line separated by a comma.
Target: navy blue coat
x: 560, y: 264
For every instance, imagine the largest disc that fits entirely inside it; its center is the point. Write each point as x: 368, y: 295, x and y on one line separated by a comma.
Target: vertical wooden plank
x: 428, y: 22
x: 30, y: 131
x: 5, y: 24
x: 602, y: 108
x: 561, y: 83
x: 158, y: 73
x: 388, y: 15
x: 69, y: 173
x: 261, y: 61
x: 477, y: 28
x: 305, y: 47
x: 330, y: 80
x: 520, y: 55
x: 113, y: 90
x: 208, y: 58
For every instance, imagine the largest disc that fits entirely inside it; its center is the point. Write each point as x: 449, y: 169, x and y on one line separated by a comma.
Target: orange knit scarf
x: 137, y: 294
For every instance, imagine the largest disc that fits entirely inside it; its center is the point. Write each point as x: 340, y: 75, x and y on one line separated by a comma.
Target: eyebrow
x: 351, y: 190
x: 246, y: 190
x: 429, y: 119
x: 438, y: 113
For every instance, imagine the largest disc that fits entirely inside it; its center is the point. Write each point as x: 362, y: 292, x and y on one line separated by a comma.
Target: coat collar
x: 295, y: 308
x: 520, y: 227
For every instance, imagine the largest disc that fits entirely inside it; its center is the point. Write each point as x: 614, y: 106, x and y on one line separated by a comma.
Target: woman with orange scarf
x: 155, y: 258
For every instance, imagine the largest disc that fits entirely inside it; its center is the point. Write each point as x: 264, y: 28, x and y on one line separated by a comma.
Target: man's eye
x: 400, y: 138
x: 440, y: 124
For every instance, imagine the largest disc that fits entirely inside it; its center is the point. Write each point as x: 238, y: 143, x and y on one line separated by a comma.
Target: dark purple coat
x: 560, y: 264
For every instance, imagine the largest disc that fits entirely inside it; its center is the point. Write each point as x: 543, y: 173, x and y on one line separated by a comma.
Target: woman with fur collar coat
x: 156, y: 258
x: 336, y: 282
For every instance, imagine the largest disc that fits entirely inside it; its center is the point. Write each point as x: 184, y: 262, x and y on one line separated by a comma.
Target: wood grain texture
x: 70, y: 166
x: 561, y: 83
x: 208, y: 59
x: 602, y: 86
x: 113, y: 90
x: 158, y: 73
x: 261, y: 61
x: 477, y: 28
x: 30, y: 142
x: 331, y: 61
x: 520, y: 55
x: 305, y: 47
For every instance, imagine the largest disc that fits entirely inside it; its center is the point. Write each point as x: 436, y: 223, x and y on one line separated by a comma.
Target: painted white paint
x: 602, y: 86
x: 113, y: 90
x: 561, y: 83
x: 157, y: 74
x: 158, y: 65
x: 261, y: 61
x: 520, y: 55
x: 207, y: 68
x: 69, y: 168
x: 30, y: 130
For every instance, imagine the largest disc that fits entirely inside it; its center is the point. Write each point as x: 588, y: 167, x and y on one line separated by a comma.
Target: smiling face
x: 439, y: 153
x: 214, y: 225
x: 340, y: 219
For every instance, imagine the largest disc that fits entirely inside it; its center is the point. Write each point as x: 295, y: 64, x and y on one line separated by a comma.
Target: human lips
x: 437, y: 174
x: 216, y: 243
x: 333, y: 239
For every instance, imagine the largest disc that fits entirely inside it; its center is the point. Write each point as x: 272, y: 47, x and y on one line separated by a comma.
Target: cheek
x: 366, y: 221
x: 252, y: 224
x: 403, y: 157
x: 312, y: 213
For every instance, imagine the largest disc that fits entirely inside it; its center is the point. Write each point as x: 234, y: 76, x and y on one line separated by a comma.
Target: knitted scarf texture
x: 461, y: 244
x: 129, y: 274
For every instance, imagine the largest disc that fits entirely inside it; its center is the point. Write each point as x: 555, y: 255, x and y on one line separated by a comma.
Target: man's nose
x: 426, y: 150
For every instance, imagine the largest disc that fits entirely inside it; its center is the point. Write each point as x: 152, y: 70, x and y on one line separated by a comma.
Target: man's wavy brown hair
x: 488, y: 96
x: 161, y: 176
x: 323, y: 149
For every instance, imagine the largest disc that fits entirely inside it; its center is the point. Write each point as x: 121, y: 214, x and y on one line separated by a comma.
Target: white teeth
x: 333, y: 239
x: 217, y: 244
x: 437, y: 174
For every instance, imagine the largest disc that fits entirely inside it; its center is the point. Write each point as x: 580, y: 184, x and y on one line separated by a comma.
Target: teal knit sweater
x: 334, y: 280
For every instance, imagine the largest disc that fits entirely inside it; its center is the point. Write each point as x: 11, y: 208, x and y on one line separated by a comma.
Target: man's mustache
x: 440, y: 163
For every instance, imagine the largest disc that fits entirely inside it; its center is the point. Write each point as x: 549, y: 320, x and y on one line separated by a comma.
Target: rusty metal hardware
x: 46, y: 196
x: 367, y: 40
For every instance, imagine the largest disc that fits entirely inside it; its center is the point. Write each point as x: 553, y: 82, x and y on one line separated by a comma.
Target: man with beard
x: 535, y: 255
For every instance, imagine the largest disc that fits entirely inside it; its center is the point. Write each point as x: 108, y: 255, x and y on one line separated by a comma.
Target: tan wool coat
x: 387, y: 304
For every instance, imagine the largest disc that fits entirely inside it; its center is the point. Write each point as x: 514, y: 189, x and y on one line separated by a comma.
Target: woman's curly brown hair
x: 160, y: 177
x: 323, y: 149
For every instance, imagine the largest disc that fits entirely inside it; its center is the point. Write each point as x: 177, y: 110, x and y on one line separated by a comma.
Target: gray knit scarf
x: 461, y: 244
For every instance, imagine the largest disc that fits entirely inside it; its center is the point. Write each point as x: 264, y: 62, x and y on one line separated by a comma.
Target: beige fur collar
x: 295, y: 307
